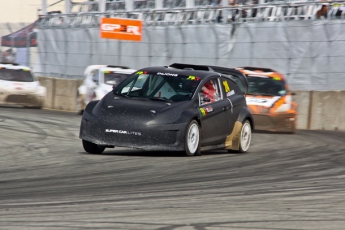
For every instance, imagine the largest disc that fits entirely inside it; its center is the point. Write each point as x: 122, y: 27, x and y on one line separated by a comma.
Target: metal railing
x: 250, y: 13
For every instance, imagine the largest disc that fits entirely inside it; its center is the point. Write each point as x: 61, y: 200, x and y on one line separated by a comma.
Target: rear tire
x: 192, y: 141
x: 92, y: 148
x: 245, y: 138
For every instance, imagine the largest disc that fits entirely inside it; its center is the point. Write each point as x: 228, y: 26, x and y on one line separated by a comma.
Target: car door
x: 234, y: 94
x: 214, y: 115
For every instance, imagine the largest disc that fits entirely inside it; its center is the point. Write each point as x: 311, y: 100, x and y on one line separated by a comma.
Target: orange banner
x: 121, y: 29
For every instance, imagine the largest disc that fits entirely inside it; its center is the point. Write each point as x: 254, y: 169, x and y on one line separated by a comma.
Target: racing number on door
x: 121, y: 29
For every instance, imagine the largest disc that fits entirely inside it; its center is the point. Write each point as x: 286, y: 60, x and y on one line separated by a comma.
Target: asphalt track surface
x: 47, y: 181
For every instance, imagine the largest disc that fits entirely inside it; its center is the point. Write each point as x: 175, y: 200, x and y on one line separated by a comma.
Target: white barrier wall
x: 302, y: 98
x: 61, y: 93
x: 327, y: 110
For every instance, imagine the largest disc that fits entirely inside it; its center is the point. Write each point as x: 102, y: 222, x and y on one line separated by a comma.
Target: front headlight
x: 286, y: 106
x: 283, y: 108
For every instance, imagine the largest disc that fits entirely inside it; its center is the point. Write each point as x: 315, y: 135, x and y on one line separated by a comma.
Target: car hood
x: 265, y: 101
x: 139, y: 111
x: 269, y: 104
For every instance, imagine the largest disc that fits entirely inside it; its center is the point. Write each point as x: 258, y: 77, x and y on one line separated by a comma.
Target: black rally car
x: 181, y: 107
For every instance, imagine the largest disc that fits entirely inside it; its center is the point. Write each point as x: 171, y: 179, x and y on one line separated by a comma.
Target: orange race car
x: 270, y: 100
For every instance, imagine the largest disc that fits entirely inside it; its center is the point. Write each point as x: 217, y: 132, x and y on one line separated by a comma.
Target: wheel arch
x: 246, y: 115
x: 232, y: 141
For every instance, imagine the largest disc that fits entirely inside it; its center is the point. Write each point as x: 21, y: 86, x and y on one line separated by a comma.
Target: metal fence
x: 24, y: 55
x: 139, y: 5
x: 205, y: 14
x: 285, y: 37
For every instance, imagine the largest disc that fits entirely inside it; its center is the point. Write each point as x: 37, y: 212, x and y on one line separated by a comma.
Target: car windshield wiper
x: 120, y: 94
x: 158, y: 99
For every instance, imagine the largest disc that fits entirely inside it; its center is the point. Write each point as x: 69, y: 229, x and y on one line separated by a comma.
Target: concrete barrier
x: 61, y: 93
x: 327, y: 110
x: 317, y: 110
x: 49, y: 83
x: 302, y: 98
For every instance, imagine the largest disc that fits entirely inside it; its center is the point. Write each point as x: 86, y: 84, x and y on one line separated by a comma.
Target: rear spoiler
x: 240, y: 78
x: 118, y: 66
x: 9, y: 63
x: 250, y: 68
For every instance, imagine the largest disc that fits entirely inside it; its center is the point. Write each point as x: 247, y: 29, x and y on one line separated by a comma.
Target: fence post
x: 329, y: 47
x: 288, y: 73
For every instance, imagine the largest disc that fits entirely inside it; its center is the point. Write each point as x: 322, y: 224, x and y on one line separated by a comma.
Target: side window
x: 230, y: 87
x: 95, y: 76
x: 210, y: 92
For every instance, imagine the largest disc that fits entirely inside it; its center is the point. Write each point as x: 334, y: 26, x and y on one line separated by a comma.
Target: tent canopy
x: 25, y: 37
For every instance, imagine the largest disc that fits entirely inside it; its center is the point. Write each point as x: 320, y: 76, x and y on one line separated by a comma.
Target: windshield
x: 16, y: 75
x: 112, y: 78
x: 266, y: 86
x: 159, y: 86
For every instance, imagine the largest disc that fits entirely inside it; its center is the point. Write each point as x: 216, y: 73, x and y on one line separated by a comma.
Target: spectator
x: 254, y: 10
x: 220, y: 14
x: 322, y: 13
x: 8, y: 56
x: 237, y: 3
x: 234, y: 12
x: 338, y: 9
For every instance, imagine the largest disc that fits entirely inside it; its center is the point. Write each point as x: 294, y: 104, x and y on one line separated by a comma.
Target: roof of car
x: 259, y: 71
x: 90, y: 68
x: 118, y: 69
x: 12, y: 65
x: 186, y: 72
x: 202, y: 71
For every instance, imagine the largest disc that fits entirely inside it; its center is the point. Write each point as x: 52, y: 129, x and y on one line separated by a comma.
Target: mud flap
x: 233, y: 140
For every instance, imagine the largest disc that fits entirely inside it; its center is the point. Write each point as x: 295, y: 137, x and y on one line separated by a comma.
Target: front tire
x: 192, y: 141
x: 92, y: 148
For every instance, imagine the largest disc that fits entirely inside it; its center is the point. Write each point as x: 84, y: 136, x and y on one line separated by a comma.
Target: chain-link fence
x: 288, y: 38
x: 18, y: 43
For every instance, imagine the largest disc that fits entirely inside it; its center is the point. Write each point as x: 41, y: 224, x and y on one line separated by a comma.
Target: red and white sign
x: 121, y: 29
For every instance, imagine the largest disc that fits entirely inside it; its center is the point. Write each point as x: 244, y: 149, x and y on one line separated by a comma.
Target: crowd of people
x: 324, y: 9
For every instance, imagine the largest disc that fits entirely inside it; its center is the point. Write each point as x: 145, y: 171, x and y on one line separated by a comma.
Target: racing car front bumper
x: 21, y: 99
x: 285, y: 123
x: 103, y: 132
